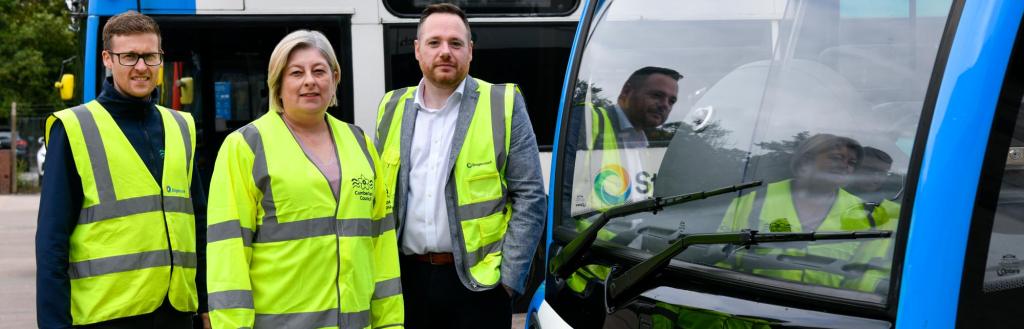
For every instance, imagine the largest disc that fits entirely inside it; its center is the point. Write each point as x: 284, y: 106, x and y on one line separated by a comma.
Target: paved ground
x: 17, y: 262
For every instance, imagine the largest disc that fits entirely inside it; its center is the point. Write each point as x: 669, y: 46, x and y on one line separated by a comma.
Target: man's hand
x: 206, y: 321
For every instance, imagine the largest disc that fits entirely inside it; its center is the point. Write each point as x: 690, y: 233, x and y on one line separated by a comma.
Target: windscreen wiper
x: 621, y: 289
x: 567, y: 260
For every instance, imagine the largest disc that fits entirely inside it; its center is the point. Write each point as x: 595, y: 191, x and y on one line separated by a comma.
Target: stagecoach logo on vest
x: 612, y: 185
x: 362, y: 188
x: 174, y: 190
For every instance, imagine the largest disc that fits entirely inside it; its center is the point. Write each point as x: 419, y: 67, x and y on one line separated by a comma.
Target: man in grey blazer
x: 460, y: 163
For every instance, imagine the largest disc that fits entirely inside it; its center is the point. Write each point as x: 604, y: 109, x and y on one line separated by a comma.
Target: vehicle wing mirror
x: 66, y: 86
x: 185, y: 88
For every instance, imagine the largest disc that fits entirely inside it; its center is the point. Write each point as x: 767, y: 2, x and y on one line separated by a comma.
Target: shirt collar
x: 456, y: 96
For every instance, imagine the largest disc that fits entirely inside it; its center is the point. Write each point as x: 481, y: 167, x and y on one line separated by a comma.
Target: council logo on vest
x: 612, y: 185
x: 362, y: 187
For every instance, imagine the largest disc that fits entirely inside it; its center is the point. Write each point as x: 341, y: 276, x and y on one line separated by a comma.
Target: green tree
x: 34, y: 39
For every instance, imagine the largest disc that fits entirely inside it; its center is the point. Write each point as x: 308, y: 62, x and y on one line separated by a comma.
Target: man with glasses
x: 117, y: 243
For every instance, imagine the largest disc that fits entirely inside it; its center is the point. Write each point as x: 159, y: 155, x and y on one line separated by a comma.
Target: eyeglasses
x: 130, y: 59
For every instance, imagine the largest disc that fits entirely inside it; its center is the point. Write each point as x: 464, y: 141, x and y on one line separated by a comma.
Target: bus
x: 217, y: 53
x: 788, y: 164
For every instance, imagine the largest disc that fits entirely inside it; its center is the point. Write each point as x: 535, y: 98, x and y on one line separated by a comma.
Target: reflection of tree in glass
x: 579, y: 95
x: 698, y: 161
x: 774, y: 162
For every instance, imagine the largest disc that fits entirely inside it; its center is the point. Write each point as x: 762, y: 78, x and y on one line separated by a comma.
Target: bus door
x: 223, y: 60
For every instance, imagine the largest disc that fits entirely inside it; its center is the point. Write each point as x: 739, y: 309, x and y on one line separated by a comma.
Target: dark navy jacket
x: 61, y: 202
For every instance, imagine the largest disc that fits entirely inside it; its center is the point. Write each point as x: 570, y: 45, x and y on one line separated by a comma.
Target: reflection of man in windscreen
x: 813, y: 200
x: 617, y: 137
x: 644, y: 103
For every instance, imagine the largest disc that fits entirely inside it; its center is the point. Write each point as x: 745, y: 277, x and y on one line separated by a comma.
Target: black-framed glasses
x: 130, y: 59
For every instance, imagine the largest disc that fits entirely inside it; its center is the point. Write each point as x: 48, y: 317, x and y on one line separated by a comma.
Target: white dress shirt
x: 426, y: 218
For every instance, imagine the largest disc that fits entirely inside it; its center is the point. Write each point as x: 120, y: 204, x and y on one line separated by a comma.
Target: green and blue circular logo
x: 612, y: 185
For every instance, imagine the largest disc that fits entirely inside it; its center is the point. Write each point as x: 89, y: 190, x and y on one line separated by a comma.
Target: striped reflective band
x: 129, y: 262
x: 327, y: 318
x: 185, y: 135
x: 355, y: 227
x: 133, y: 206
x: 384, y: 126
x: 498, y: 123
x: 480, y: 209
x: 231, y: 299
x: 476, y: 256
x: 361, y: 138
x: 387, y: 288
x: 228, y: 230
x: 97, y: 154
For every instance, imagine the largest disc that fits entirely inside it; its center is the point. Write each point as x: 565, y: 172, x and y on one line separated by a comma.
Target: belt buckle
x: 430, y: 258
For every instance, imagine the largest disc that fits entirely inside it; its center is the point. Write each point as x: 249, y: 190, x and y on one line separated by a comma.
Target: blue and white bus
x: 820, y: 164
x: 217, y: 53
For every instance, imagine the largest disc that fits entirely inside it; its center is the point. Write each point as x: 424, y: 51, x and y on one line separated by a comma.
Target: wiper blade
x: 621, y: 289
x: 567, y: 260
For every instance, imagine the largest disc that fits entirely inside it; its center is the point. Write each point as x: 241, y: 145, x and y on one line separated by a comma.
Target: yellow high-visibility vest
x: 482, y: 211
x: 134, y: 243
x: 778, y: 214
x: 283, y: 251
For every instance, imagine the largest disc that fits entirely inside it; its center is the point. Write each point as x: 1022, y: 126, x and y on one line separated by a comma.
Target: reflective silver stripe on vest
x: 480, y: 209
x: 133, y: 206
x: 136, y: 261
x: 387, y: 288
x: 260, y: 173
x: 328, y: 318
x: 600, y: 113
x: 498, y: 123
x: 97, y: 154
x: 228, y: 230
x: 354, y: 227
x: 183, y: 126
x: 474, y: 257
x: 362, y: 144
x: 389, y: 114
x: 231, y: 299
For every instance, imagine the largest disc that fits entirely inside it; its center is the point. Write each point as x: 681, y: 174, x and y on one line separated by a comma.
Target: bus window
x: 993, y: 280
x: 532, y: 56
x: 413, y: 8
x: 679, y: 97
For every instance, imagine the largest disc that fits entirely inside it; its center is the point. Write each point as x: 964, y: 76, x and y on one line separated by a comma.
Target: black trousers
x: 436, y: 298
x: 164, y: 317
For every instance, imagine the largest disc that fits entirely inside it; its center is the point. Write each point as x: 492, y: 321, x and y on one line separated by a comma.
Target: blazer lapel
x: 408, y: 127
x: 469, y: 98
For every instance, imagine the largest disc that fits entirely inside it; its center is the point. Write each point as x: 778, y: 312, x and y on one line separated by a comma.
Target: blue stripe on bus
x: 91, y: 51
x: 149, y: 7
x: 956, y: 143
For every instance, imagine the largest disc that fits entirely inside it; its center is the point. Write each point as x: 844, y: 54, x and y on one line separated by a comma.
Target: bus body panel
x: 956, y: 143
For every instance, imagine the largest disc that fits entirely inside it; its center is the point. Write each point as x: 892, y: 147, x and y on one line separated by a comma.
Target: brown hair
x: 444, y: 8
x: 128, y: 23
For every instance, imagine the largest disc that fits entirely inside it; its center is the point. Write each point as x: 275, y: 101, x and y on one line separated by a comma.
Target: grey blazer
x: 522, y: 177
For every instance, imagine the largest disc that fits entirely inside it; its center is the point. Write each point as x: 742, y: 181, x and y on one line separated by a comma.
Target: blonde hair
x: 300, y: 39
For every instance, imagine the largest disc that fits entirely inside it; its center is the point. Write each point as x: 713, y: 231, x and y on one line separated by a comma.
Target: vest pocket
x: 484, y: 187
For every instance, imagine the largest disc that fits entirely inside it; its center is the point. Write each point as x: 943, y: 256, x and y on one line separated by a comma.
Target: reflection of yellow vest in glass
x: 299, y: 257
x: 669, y: 316
x: 778, y: 214
x: 134, y: 242
x: 482, y: 211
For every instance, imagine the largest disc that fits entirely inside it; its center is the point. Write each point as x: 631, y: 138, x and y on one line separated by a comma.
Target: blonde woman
x: 296, y: 237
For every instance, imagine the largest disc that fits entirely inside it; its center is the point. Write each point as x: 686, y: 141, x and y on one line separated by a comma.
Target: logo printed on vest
x: 362, y: 188
x: 471, y: 165
x: 780, y: 225
x: 174, y: 190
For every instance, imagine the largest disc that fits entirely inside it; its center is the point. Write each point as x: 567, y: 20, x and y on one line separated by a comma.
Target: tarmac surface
x: 17, y: 262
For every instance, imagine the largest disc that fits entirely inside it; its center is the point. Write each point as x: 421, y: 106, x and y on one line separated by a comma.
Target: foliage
x: 34, y: 39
